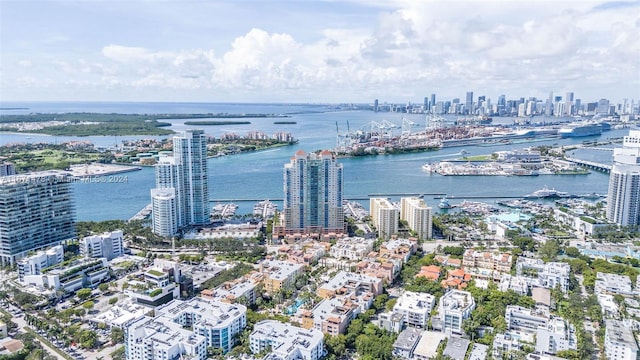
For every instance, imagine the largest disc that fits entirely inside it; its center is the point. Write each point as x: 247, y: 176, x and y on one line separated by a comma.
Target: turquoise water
x: 259, y: 175
x: 512, y: 217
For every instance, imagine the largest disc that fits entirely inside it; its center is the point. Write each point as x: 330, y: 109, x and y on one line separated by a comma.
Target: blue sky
x: 316, y: 51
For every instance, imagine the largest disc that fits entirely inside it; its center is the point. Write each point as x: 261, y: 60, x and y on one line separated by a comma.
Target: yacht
x: 546, y: 193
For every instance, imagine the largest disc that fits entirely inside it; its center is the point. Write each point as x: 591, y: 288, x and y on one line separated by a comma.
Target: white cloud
x: 407, y: 51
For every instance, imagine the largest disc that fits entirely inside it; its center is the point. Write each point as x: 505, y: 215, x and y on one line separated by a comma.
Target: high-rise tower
x: 183, y: 177
x: 623, y: 203
x: 313, y: 188
x: 468, y: 105
x: 36, y: 211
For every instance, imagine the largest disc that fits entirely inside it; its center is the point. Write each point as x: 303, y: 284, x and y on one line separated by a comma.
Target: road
x: 588, y: 325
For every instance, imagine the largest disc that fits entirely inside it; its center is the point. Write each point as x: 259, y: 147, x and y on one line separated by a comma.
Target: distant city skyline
x: 317, y: 51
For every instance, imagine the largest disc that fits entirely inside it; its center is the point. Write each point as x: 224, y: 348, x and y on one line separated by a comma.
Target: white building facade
x: 107, y: 245
x: 623, y: 204
x: 418, y: 215
x: 384, y: 217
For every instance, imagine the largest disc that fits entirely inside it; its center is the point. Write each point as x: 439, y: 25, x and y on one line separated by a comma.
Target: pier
x: 605, y: 168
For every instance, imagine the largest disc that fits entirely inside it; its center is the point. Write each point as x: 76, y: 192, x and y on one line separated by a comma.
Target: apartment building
x: 454, y: 307
x: 547, y: 275
x: 107, y: 245
x: 352, y: 248
x: 347, y: 282
x: 415, y: 307
x: 284, y: 341
x: 619, y: 342
x: 384, y: 216
x: 418, y: 216
x: 500, y: 262
x: 613, y: 284
x: 279, y: 274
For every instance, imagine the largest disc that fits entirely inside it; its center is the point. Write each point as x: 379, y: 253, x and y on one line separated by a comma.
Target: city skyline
x: 317, y: 51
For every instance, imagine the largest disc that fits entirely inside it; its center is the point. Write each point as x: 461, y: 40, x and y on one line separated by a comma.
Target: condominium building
x: 279, y: 274
x: 619, y: 341
x: 284, y: 341
x: 454, y: 307
x: 613, y: 283
x: 7, y: 168
x: 547, y: 275
x: 313, y: 194
x: 352, y: 248
x: 107, y: 245
x: 331, y: 316
x: 384, y: 217
x: 415, y: 307
x: 418, y: 215
x: 348, y: 282
x: 181, y: 196
x: 160, y: 339
x: 557, y: 335
x: 487, y: 260
x: 523, y: 319
x: 403, y: 248
x: 164, y: 209
x: 218, y: 322
x: 623, y: 204
x: 34, y: 264
x: 37, y: 212
x: 166, y: 337
x: 406, y: 343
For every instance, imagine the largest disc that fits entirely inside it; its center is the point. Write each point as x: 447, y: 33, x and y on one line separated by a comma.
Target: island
x: 88, y: 124
x: 215, y: 123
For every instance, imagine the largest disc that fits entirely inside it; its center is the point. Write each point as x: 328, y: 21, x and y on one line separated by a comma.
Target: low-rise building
x: 557, y: 335
x: 34, y: 264
x: 547, y: 275
x: 500, y: 262
x: 404, y: 248
x: 456, y: 348
x: 523, y: 319
x: 156, y: 288
x: 612, y: 284
x: 107, y: 245
x: 515, y: 283
x: 504, y: 344
x: 415, y: 307
x: 285, y: 341
x: 216, y: 321
x: 619, y: 342
x: 331, y: 316
x: 279, y: 274
x: 347, y: 282
x: 352, y: 248
x: 390, y: 321
x: 430, y: 272
x: 158, y: 338
x: 70, y: 277
x: 241, y: 290
x: 454, y: 307
x: 427, y: 347
x: 406, y: 343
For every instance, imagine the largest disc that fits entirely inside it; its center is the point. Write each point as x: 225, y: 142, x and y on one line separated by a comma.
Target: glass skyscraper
x: 37, y: 211
x: 313, y: 192
x: 186, y: 173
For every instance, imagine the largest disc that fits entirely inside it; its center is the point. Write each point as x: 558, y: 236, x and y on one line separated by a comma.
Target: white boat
x: 546, y: 193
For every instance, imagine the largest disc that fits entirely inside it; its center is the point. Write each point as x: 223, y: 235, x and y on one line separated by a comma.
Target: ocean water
x: 247, y: 178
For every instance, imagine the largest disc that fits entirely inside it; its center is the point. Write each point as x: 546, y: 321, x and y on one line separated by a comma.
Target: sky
x: 317, y: 51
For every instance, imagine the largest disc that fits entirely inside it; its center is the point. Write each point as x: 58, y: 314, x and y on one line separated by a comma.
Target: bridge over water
x: 605, y: 168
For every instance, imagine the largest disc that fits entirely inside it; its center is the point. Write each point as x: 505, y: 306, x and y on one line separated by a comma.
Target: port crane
x: 434, y: 122
x: 406, y: 126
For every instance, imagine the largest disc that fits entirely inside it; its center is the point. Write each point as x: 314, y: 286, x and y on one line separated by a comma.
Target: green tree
x: 83, y: 294
x: 103, y: 287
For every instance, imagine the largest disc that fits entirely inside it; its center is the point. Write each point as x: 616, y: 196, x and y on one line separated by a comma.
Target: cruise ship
x: 581, y: 129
